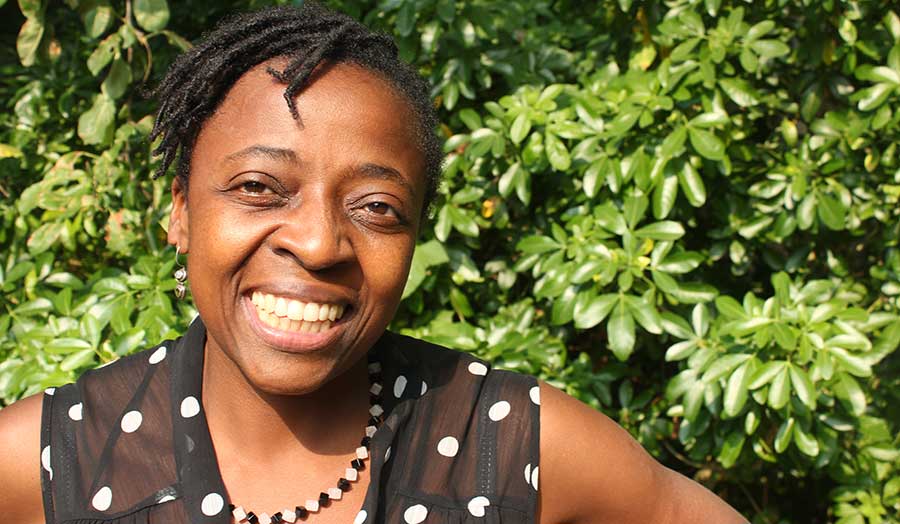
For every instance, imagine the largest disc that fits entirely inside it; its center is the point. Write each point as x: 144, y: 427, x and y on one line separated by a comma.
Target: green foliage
x: 683, y: 213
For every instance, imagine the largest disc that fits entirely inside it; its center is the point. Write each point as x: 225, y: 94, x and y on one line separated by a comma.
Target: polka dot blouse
x: 129, y: 444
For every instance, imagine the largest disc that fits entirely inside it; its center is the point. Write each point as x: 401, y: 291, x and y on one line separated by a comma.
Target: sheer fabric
x: 129, y: 443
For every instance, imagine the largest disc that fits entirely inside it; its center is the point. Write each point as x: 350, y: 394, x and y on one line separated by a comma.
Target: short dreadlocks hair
x: 306, y: 36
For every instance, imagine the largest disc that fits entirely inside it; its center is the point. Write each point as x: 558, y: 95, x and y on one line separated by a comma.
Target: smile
x: 287, y: 314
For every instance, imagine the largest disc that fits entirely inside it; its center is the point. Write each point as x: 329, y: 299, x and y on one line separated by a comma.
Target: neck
x: 328, y: 421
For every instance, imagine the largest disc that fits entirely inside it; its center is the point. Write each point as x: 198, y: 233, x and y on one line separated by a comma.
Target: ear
x: 178, y: 220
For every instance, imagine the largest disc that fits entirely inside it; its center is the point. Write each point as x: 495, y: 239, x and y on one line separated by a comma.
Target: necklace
x: 351, y: 474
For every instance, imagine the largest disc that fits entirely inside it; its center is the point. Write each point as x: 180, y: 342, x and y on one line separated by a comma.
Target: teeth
x: 295, y: 310
x: 311, y: 312
x: 281, y: 307
x: 287, y: 314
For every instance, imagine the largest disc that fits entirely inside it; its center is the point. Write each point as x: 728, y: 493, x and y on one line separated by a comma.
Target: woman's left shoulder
x: 592, y: 470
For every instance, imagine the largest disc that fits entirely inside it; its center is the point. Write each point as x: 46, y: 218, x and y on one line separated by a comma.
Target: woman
x: 307, y: 161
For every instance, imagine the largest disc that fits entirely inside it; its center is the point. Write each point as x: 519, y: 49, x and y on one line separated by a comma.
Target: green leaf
x: 427, y: 255
x: 462, y: 221
x: 873, y: 97
x: 739, y: 91
x: 803, y: 386
x: 805, y: 442
x: 537, y: 244
x: 711, y: 119
x: 29, y: 40
x: 831, y: 211
x: 117, y: 80
x: 674, y: 142
x: 587, y: 269
x: 65, y: 346
x: 731, y: 449
x: 471, y: 119
x: 681, y: 350
x: 759, y: 30
x: 766, y: 373
x: 664, y: 196
x: 645, y: 314
x: 681, y: 263
x: 706, y: 143
x: 97, y: 18
x: 723, y: 365
x: 847, y: 389
x: 770, y: 48
x: 851, y: 363
x: 591, y: 309
x: 665, y: 230
x: 736, y: 390
x: 96, y: 125
x: 103, y: 53
x: 520, y: 128
x: 152, y: 15
x: 783, y: 437
x: 620, y: 329
x: 557, y: 153
x: 77, y: 360
x: 730, y: 307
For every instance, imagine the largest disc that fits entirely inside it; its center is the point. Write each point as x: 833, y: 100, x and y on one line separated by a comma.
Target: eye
x: 253, y: 187
x: 380, y: 208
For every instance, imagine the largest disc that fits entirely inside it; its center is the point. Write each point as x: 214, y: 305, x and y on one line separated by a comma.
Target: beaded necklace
x: 351, y: 474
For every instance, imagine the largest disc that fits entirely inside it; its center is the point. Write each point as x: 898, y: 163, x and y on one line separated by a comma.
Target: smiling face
x: 300, y: 234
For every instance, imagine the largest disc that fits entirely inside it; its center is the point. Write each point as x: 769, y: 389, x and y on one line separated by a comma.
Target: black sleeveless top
x: 128, y: 443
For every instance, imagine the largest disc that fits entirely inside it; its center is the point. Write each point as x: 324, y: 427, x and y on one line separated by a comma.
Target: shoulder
x: 593, y: 471
x: 437, y: 365
x: 20, y: 430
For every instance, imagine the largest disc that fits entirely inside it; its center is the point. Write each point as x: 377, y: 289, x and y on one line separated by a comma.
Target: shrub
x: 684, y: 214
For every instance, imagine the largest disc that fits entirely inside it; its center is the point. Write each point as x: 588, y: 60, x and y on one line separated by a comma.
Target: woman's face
x: 300, y: 233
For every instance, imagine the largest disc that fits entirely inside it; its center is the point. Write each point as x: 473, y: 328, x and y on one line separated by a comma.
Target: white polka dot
x: 50, y: 391
x: 477, y: 368
x: 415, y: 514
x: 387, y: 454
x: 45, y: 458
x: 448, y: 447
x: 360, y: 517
x: 477, y: 505
x: 158, y: 355
x: 499, y: 411
x: 132, y: 421
x: 189, y: 407
x: 528, y: 474
x: 76, y: 412
x: 399, y: 386
x: 424, y: 388
x: 102, y: 499
x: 535, y: 394
x: 166, y: 498
x: 534, y: 478
x: 212, y: 504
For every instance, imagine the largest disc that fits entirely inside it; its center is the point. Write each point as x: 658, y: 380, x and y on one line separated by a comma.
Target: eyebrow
x: 273, y: 153
x: 384, y: 173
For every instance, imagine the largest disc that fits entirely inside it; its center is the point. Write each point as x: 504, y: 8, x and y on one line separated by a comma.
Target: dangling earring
x: 180, y: 275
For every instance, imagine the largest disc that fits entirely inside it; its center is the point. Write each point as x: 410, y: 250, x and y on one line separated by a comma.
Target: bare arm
x: 593, y: 472
x: 20, y: 437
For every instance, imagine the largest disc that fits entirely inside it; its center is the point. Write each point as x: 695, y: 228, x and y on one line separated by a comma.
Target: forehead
x: 344, y: 105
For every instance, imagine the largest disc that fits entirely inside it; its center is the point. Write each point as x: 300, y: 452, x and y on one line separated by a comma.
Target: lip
x: 289, y: 341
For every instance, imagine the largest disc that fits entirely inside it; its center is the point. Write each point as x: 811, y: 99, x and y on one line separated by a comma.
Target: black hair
x: 198, y: 80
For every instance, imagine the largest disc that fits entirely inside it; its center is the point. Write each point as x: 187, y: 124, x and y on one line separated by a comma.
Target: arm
x: 593, y: 472
x: 20, y: 437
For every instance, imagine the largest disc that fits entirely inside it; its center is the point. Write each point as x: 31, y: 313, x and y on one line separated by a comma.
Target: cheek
x: 385, y: 264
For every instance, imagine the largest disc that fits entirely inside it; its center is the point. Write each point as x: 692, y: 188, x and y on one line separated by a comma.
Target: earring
x: 180, y: 275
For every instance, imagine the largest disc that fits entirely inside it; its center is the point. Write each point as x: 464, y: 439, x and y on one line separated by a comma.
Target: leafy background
x: 684, y: 213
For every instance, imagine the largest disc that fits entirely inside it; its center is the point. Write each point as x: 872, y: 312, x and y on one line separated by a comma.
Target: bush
x: 684, y: 214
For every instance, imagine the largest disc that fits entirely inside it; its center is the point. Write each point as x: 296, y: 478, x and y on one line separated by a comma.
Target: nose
x: 313, y: 235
